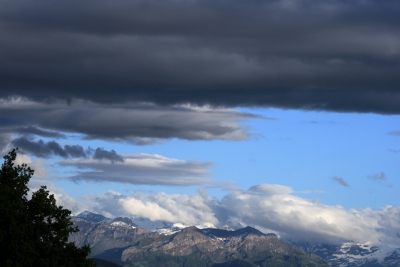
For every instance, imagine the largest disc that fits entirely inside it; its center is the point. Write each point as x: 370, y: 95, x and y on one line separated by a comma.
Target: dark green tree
x: 34, y: 232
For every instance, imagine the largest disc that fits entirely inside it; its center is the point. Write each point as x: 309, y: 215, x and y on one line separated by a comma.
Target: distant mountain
x: 93, y: 217
x: 127, y: 245
x: 351, y: 254
x: 216, y: 247
x: 124, y: 241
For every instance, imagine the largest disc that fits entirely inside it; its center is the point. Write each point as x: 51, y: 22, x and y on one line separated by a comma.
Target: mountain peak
x: 249, y: 230
x: 124, y: 220
x: 92, y: 217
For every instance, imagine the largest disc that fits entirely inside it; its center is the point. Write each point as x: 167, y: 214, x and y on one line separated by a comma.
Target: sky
x: 283, y: 115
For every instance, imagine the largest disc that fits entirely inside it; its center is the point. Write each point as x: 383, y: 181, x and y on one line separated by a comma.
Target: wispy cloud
x: 32, y: 130
x: 394, y: 133
x: 378, y: 177
x: 340, y: 180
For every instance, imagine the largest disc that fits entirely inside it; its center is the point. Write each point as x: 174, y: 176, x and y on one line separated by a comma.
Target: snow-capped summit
x: 123, y: 221
x: 123, y: 224
x: 177, y: 227
x: 227, y: 228
x: 354, y: 254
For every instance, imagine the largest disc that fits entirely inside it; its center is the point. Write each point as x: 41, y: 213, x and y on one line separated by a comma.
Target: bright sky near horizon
x: 334, y: 158
x: 211, y: 111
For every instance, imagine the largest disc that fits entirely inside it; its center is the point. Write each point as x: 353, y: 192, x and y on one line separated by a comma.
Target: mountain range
x: 353, y: 254
x: 141, y: 242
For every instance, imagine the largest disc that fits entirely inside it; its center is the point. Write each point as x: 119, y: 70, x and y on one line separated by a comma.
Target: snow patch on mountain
x: 353, y: 253
x: 176, y: 227
x: 360, y: 253
x: 121, y: 224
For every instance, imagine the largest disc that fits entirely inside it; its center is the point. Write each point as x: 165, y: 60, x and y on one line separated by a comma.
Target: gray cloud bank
x: 47, y: 149
x: 101, y: 165
x: 43, y: 149
x: 137, y: 123
x: 142, y: 169
x: 330, y: 55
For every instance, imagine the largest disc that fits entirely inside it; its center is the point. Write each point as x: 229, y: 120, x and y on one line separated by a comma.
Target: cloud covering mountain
x: 268, y: 207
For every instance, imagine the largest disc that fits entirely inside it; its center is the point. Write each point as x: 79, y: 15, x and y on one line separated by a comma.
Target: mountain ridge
x: 208, y: 247
x: 122, y: 240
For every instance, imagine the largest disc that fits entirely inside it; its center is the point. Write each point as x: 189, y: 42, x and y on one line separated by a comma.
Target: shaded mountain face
x: 127, y: 245
x: 215, y: 247
x: 104, y: 237
x: 92, y: 217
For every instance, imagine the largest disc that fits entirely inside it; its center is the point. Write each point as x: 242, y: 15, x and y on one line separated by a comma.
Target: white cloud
x: 146, y: 209
x: 302, y: 219
x: 62, y: 197
x: 270, y: 208
x: 186, y: 209
x: 36, y: 165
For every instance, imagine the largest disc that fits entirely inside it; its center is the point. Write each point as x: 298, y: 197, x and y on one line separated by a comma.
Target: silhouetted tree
x: 34, y: 232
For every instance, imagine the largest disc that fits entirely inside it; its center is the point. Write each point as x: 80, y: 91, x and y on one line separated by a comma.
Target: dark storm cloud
x: 101, y: 153
x: 142, y: 169
x: 138, y: 123
x: 5, y: 140
x: 47, y: 149
x: 340, y: 181
x: 330, y: 55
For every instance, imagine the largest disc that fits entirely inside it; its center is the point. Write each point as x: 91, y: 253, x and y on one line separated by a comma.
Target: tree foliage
x: 34, y: 232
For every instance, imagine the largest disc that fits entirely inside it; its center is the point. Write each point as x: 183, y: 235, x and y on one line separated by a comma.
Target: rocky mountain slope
x: 353, y: 254
x: 120, y: 241
x: 124, y: 241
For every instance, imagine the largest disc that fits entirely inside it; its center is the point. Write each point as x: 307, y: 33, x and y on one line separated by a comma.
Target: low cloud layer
x: 136, y: 123
x: 141, y: 169
x: 274, y: 211
x: 307, y: 54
